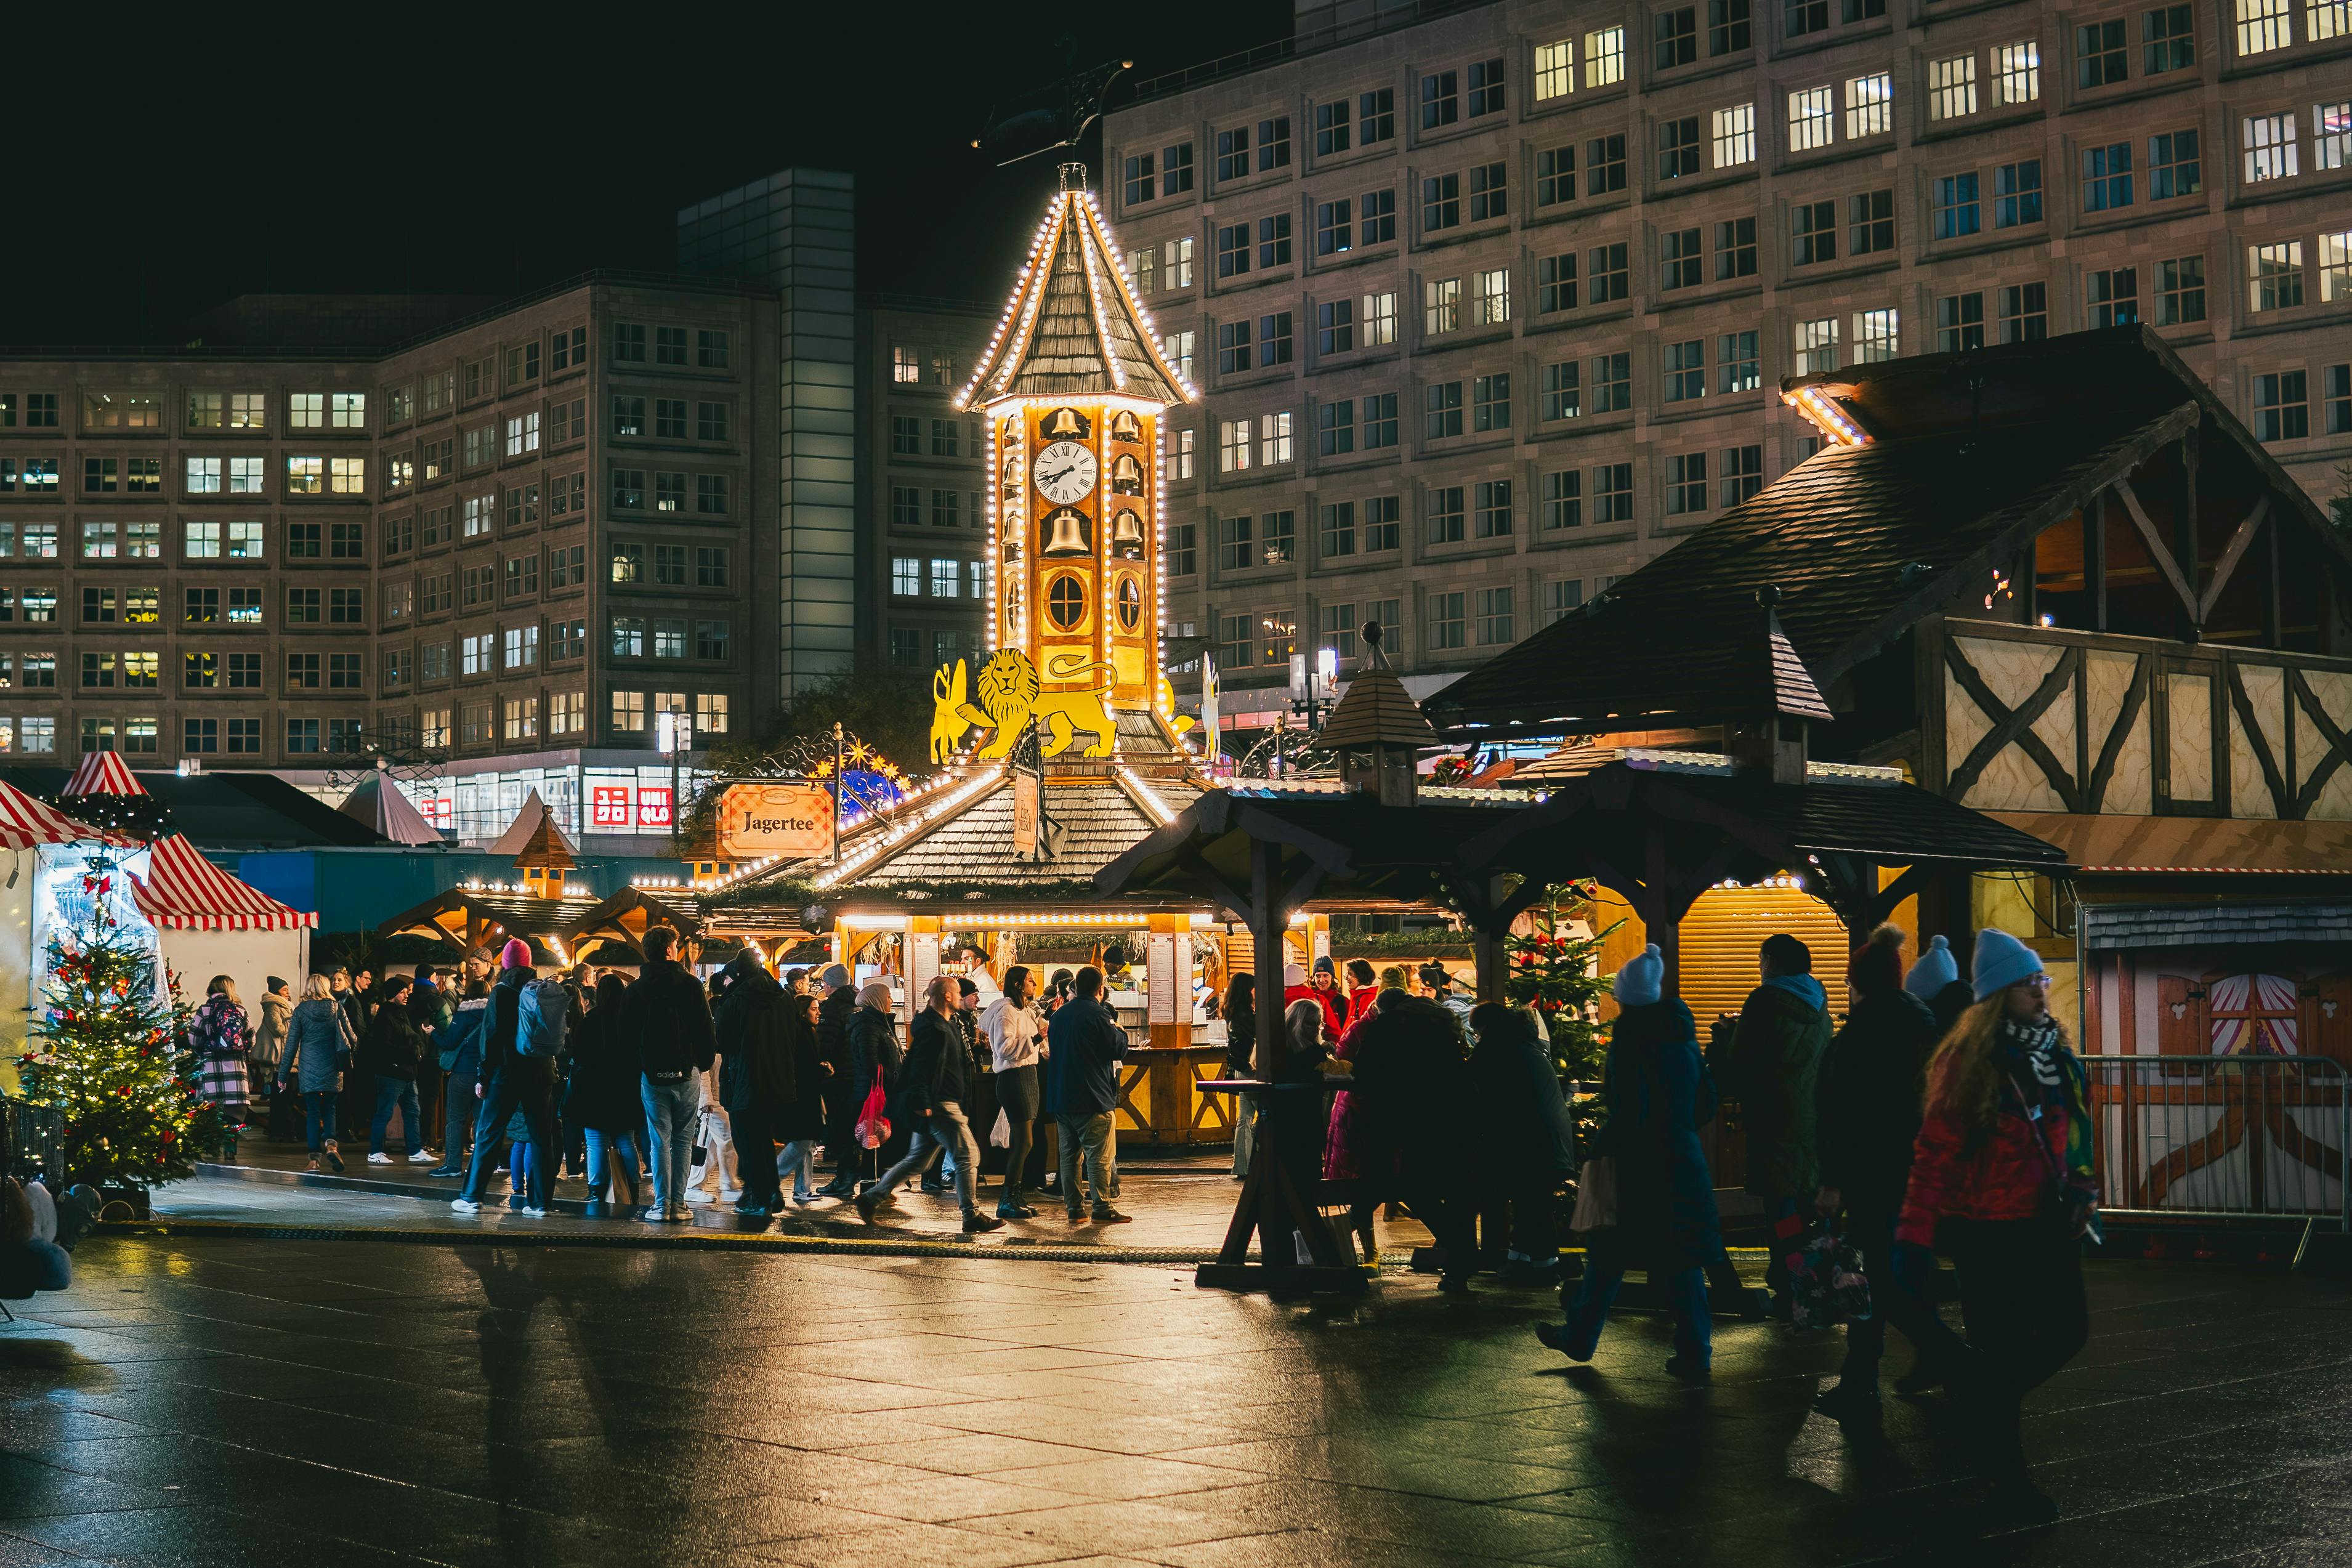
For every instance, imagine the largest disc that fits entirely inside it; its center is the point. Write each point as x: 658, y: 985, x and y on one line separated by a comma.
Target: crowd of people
x: 663, y: 1092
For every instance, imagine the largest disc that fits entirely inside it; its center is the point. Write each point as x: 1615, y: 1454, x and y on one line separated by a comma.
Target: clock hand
x: 1058, y: 475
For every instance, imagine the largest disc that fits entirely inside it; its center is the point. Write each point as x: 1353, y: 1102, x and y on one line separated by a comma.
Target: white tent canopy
x: 379, y: 803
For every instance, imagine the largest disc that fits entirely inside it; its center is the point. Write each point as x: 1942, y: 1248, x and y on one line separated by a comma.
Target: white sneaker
x: 531, y: 1213
x: 696, y: 1195
x: 465, y: 1206
x: 379, y: 1158
x: 423, y: 1157
x: 728, y: 1195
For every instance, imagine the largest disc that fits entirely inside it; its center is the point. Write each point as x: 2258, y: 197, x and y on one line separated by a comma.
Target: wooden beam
x: 2184, y: 521
x: 2013, y: 724
x: 2095, y: 558
x: 1266, y: 923
x: 2231, y: 553
x: 2157, y: 547
x: 2274, y: 545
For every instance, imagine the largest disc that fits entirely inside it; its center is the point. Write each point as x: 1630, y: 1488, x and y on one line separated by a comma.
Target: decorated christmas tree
x: 112, y: 1054
x: 1557, y: 973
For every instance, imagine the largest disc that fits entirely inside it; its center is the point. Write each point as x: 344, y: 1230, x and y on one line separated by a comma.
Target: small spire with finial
x: 1372, y: 640
x: 1074, y: 177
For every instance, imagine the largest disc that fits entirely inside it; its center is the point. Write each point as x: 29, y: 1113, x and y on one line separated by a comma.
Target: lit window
x: 1604, y: 57
x: 306, y: 411
x: 1490, y: 297
x: 2336, y: 265
x: 2261, y: 26
x: 1734, y: 135
x: 1870, y: 105
x: 347, y: 410
x: 1812, y: 119
x: 2017, y: 74
x: 1817, y: 346
x: 1555, y: 70
x: 2275, y: 275
x: 1232, y: 446
x: 2331, y: 135
x: 1442, y: 299
x: 1875, y: 336
x: 2270, y: 147
x: 1952, y: 88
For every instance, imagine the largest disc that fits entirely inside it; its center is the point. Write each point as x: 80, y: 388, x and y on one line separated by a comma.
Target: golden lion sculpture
x: 1006, y: 698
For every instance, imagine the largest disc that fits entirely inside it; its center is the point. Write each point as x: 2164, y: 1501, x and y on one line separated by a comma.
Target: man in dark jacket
x: 755, y: 1078
x: 511, y: 1081
x: 1410, y: 1088
x: 1768, y: 1062
x: 667, y: 1017
x: 393, y: 1052
x: 1084, y: 1047
x: 930, y: 1099
x: 1868, y: 1100
x: 843, y: 1093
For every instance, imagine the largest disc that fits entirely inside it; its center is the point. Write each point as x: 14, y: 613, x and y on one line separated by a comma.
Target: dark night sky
x: 464, y: 152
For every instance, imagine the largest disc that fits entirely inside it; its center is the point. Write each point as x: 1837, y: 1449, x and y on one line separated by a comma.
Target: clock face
x: 1065, y: 472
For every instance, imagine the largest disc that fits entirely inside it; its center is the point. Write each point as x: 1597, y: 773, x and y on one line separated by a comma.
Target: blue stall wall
x: 358, y: 889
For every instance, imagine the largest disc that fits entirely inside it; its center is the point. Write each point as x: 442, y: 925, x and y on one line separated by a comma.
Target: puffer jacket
x: 1998, y: 1173
x: 317, y: 1040
x: 1771, y: 1063
x: 269, y: 1041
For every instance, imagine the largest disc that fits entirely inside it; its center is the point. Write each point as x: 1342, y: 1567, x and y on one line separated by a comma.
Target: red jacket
x: 1323, y: 999
x: 2004, y: 1178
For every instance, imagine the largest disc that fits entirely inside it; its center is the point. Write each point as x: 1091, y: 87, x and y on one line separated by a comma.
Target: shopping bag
x: 1596, y: 1195
x: 1001, y: 1135
x: 1826, y: 1284
x: 873, y: 1128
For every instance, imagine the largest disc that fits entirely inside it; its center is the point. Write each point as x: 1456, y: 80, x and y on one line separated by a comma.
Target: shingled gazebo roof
x: 1072, y: 329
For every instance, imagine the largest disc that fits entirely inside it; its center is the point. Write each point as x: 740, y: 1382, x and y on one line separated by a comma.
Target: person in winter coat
x: 269, y: 1050
x: 2002, y: 1183
x: 931, y: 1097
x: 1239, y: 1010
x: 1768, y: 1062
x: 1016, y: 1040
x: 604, y: 1100
x: 753, y: 1031
x: 1084, y: 1047
x: 1866, y: 1120
x: 875, y: 1058
x: 1524, y: 1147
x: 222, y: 1037
x: 1935, y: 980
x: 666, y: 1018
x: 1340, y: 1157
x: 1324, y: 981
x: 318, y: 1045
x: 459, y: 1044
x: 802, y: 1126
x: 1410, y: 1125
x: 392, y: 1053
x: 1657, y: 1094
x: 843, y: 1095
x: 1297, y: 987
x: 511, y: 1081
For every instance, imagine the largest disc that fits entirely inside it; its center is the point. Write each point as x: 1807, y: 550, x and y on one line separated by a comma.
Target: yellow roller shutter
x: 1723, y: 930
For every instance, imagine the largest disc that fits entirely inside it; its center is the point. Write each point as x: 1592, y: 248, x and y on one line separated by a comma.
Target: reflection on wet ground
x: 222, y: 1400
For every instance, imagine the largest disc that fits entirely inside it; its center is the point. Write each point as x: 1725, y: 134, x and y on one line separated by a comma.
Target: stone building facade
x: 1492, y: 306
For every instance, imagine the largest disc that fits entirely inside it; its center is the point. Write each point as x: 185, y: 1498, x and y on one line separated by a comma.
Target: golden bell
x: 1126, y: 476
x: 1126, y: 533
x: 1070, y: 535
x: 1126, y: 426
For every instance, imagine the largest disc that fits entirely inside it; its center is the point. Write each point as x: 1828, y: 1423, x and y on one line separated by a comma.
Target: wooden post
x: 2184, y: 530
x: 1487, y: 946
x: 2095, y: 558
x: 1267, y: 919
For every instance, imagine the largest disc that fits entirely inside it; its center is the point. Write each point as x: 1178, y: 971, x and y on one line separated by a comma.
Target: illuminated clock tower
x: 1073, y: 385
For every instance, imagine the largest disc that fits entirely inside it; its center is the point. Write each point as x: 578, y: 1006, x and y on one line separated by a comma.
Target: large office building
x: 1489, y: 303
x: 495, y: 542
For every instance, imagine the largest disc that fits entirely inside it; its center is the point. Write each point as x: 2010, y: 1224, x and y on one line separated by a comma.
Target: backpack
x: 539, y: 1013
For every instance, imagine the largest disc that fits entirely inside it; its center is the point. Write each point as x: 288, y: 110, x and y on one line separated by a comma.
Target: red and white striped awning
x: 25, y: 822
x: 103, y: 772
x: 184, y: 891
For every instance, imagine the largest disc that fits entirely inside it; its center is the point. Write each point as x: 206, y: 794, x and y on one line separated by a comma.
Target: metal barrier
x: 2222, y: 1137
x: 37, y: 1143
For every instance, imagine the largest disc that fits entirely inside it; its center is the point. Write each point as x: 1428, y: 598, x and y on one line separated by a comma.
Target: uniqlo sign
x: 609, y: 805
x: 653, y: 808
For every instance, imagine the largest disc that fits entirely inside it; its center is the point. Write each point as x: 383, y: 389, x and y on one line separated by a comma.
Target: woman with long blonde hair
x: 2002, y: 1182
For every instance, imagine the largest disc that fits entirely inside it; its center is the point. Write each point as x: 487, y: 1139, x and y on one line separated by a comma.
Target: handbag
x: 1001, y: 1135
x: 873, y: 1128
x: 1596, y: 1195
x: 701, y: 1155
x: 1826, y: 1283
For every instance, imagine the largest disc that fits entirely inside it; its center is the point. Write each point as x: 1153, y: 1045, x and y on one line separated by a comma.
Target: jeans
x: 799, y: 1157
x: 1244, y: 1132
x: 391, y: 1093
x: 1693, y: 1329
x: 528, y: 1170
x: 719, y: 1156
x: 611, y: 1165
x: 2021, y: 1297
x: 945, y: 1127
x: 458, y: 1118
x: 508, y: 1093
x: 670, y: 1112
x: 318, y: 1117
x: 1088, y: 1143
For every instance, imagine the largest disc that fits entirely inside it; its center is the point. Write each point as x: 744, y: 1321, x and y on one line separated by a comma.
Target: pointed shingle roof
x: 1072, y: 328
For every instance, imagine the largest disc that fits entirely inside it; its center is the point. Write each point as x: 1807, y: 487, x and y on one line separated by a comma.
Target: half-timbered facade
x: 2058, y: 583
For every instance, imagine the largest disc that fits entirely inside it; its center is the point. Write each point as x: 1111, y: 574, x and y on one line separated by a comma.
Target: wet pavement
x: 224, y: 1399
